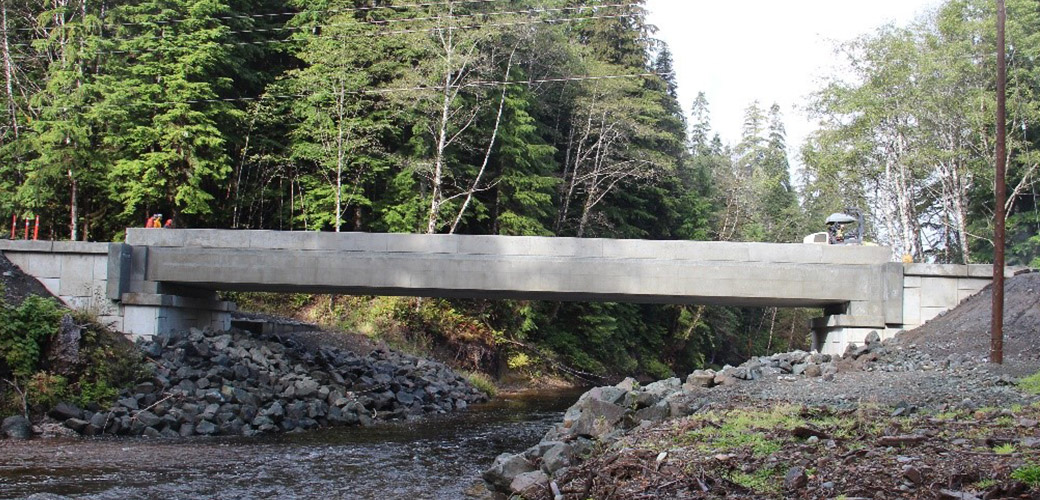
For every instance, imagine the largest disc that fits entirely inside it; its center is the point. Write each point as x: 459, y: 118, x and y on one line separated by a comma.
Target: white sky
x: 737, y: 51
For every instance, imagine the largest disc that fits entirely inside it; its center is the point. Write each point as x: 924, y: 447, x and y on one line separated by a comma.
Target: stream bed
x: 436, y: 458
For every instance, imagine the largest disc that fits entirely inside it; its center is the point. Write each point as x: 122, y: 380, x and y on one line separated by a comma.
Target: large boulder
x: 700, y: 378
x: 664, y: 388
x: 597, y: 418
x: 558, y: 456
x: 64, y: 411
x: 506, y: 467
x: 17, y: 427
x: 530, y: 484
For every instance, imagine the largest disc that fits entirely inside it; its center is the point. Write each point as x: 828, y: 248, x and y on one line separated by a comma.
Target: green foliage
x: 656, y: 369
x: 1004, y: 449
x: 518, y: 361
x: 46, y: 389
x: 930, y: 85
x: 1030, y: 384
x: 225, y: 115
x: 764, y: 481
x: 99, y: 392
x: 1029, y: 474
x: 24, y: 331
x: 482, y: 382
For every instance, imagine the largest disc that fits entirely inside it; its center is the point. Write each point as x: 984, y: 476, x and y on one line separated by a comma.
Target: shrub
x: 24, y: 330
x: 45, y: 389
x: 518, y: 361
x: 99, y: 392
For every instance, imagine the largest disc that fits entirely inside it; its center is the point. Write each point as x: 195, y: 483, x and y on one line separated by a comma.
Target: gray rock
x: 629, y: 384
x: 701, y: 378
x: 64, y: 411
x: 221, y: 342
x: 655, y: 413
x: 828, y: 369
x: 130, y: 403
x: 608, y: 394
x: 76, y: 424
x: 187, y: 429
x: 558, y: 456
x: 664, y: 388
x: 147, y: 418
x: 100, y: 420
x: 505, y: 468
x: 872, y: 338
x: 206, y: 428
x: 306, y: 388
x: 813, y: 370
x: 796, y: 478
x: 723, y: 378
x: 530, y: 484
x: 16, y: 427
x: 637, y: 400
x: 597, y: 418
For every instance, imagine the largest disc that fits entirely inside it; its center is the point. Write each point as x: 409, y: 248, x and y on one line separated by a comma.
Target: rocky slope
x: 239, y: 383
x: 919, y: 416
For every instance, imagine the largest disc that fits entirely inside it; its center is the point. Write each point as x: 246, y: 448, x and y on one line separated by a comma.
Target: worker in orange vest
x: 169, y: 224
x: 150, y: 222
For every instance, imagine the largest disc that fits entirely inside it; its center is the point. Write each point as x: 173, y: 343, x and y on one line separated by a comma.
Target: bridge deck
x: 536, y: 268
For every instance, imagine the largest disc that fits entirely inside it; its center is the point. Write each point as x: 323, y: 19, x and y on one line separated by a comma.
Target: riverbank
x: 920, y: 416
x: 438, y: 457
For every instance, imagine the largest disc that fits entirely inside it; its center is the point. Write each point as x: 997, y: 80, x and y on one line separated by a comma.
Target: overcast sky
x: 770, y: 50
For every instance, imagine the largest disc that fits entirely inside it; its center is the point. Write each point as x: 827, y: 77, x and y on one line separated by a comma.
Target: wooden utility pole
x: 996, y: 348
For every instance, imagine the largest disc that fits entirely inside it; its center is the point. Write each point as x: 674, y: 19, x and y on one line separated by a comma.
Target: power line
x: 371, y: 34
x: 314, y: 11
x: 387, y: 22
x: 451, y: 17
x: 420, y: 88
x: 398, y: 32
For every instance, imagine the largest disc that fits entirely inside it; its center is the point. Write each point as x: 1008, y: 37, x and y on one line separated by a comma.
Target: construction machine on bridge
x: 838, y: 230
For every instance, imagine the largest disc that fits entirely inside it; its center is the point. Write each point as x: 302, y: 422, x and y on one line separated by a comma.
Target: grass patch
x: 1029, y: 474
x: 482, y: 382
x: 1030, y: 384
x: 765, y: 481
x: 741, y: 429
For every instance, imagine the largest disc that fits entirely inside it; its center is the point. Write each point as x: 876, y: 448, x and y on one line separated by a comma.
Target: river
x: 435, y: 458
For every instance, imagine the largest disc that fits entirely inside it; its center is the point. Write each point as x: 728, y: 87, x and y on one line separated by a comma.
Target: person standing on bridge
x: 169, y: 224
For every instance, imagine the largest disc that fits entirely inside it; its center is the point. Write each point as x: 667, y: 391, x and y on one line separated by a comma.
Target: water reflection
x: 437, y: 458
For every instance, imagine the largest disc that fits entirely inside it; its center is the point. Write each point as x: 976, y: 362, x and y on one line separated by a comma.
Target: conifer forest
x: 508, y: 117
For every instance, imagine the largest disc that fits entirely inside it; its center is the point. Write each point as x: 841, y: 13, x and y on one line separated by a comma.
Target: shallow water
x: 437, y: 458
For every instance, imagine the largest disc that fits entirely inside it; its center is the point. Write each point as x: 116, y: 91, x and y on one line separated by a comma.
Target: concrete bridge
x: 162, y: 280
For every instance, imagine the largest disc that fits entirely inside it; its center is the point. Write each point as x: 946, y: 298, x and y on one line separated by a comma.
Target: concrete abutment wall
x: 102, y: 280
